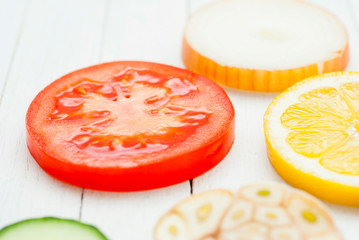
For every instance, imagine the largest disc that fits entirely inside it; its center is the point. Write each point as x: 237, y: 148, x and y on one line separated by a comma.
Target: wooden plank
x: 354, y: 7
x: 344, y: 10
x: 57, y: 37
x: 194, y: 5
x: 247, y: 161
x: 346, y: 218
x: 145, y: 30
x: 149, y: 30
x: 11, y: 15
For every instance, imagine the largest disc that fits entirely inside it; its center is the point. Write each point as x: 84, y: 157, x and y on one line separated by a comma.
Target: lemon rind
x: 324, y: 184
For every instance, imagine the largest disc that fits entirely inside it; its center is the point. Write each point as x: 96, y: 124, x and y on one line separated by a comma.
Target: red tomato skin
x: 146, y: 177
x: 153, y: 175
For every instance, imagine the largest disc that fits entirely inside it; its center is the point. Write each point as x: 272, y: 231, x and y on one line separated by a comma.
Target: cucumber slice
x: 50, y: 228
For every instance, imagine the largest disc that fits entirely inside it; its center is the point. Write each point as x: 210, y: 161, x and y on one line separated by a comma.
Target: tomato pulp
x: 127, y: 126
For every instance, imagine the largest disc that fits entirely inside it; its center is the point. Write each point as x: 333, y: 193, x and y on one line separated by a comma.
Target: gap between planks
x: 103, y: 33
x: 104, y: 30
x: 81, y: 203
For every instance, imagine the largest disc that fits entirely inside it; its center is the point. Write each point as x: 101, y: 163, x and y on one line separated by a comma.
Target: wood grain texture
x: 346, y: 12
x: 57, y: 36
x: 247, y: 161
x: 354, y: 11
x: 11, y: 20
x: 46, y: 39
x: 142, y: 30
x: 346, y: 218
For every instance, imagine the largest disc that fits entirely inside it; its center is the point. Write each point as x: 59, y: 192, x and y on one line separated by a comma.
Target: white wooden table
x: 41, y: 40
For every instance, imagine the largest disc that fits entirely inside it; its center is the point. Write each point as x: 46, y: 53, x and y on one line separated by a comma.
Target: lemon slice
x: 312, y: 134
x: 256, y: 212
x: 263, y: 45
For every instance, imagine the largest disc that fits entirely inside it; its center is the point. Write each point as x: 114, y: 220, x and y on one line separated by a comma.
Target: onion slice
x: 264, y: 45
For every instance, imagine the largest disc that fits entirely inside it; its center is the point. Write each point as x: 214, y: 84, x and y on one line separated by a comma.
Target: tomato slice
x: 127, y: 126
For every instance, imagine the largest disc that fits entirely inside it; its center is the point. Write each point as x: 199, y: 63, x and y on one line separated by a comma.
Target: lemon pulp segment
x: 324, y: 125
x: 312, y: 131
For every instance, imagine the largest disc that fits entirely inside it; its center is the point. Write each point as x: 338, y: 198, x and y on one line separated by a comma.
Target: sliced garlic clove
x: 171, y: 227
x: 326, y: 236
x: 286, y: 233
x: 282, y: 214
x: 254, y: 228
x: 272, y: 215
x: 241, y: 236
x: 237, y: 214
x: 248, y: 231
x: 308, y: 214
x: 203, y: 212
x: 264, y: 193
